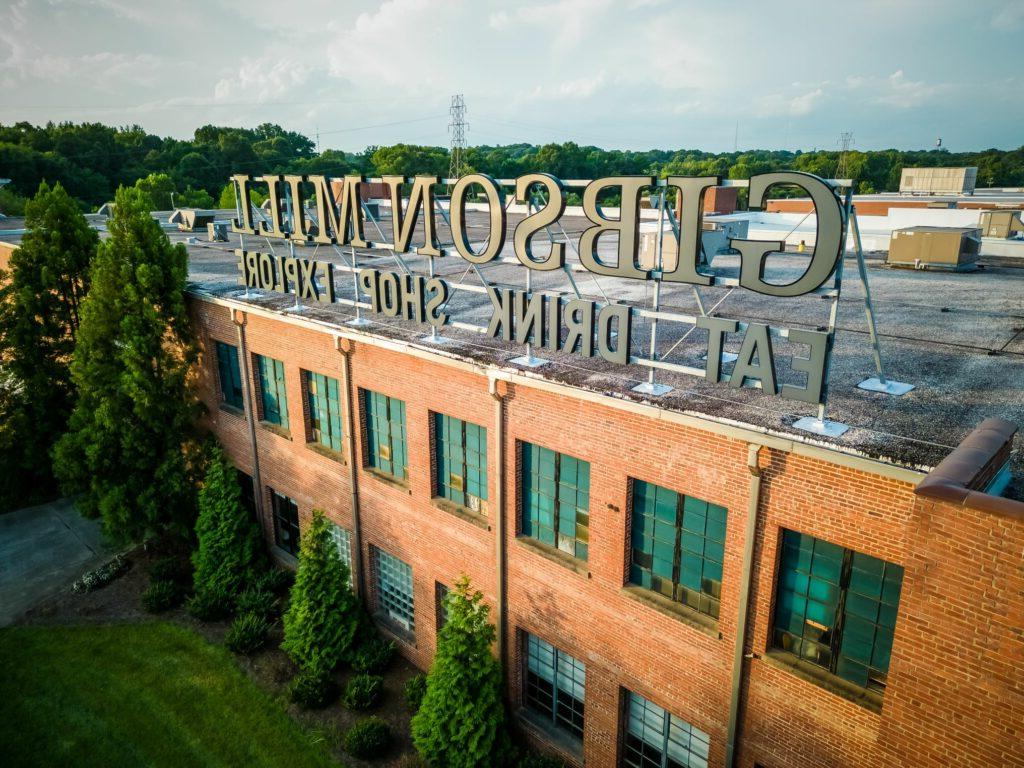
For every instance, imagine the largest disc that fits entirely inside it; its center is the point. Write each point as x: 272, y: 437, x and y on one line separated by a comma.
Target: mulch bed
x: 270, y: 669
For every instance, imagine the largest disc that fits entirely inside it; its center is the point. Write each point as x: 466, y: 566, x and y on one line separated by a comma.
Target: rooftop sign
x: 313, y: 209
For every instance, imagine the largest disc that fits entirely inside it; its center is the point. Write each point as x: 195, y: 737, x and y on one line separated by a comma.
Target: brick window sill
x: 228, y: 408
x: 327, y: 453
x: 870, y: 700
x: 565, y: 743
x: 394, y: 629
x: 464, y: 513
x: 276, y: 429
x: 555, y: 555
x: 684, y: 613
x: 387, y: 479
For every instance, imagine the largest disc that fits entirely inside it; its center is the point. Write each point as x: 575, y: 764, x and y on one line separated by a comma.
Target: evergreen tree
x: 461, y: 722
x: 323, y: 616
x: 128, y: 452
x: 230, y: 548
x: 40, y: 308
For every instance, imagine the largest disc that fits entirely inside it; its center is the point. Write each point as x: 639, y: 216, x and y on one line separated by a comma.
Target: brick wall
x: 954, y: 695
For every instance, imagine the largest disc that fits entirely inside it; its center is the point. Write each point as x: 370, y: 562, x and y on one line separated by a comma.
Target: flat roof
x: 957, y: 337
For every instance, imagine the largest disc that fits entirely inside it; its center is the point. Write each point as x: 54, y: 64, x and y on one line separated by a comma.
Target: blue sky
x: 630, y: 74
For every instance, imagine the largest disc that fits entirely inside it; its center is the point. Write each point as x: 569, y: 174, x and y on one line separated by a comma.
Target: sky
x: 626, y: 74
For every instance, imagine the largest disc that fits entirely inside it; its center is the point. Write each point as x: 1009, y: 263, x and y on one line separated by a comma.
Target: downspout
x: 498, y: 389
x: 345, y: 347
x: 238, y: 318
x: 753, y: 502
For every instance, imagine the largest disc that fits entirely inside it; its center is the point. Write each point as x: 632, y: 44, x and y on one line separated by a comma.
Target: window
x: 385, y: 434
x: 343, y: 541
x: 324, y: 410
x: 658, y: 739
x: 555, y: 684
x: 286, y: 523
x: 440, y: 596
x: 273, y: 397
x: 836, y: 608
x: 461, y: 453
x: 394, y: 589
x: 556, y: 499
x: 678, y: 543
x: 230, y: 375
x: 245, y: 484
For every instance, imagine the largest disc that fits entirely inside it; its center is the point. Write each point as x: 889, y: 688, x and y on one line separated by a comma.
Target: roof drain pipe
x: 753, y: 503
x: 498, y: 390
x: 238, y: 318
x: 345, y: 347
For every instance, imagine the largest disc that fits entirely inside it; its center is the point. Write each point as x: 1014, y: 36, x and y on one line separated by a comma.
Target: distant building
x: 938, y: 181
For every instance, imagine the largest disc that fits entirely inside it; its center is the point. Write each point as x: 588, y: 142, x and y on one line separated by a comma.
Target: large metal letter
x: 757, y: 342
x: 457, y: 211
x: 626, y: 226
x: 535, y: 222
x: 403, y: 225
x: 813, y: 365
x: 275, y: 195
x: 691, y: 206
x: 828, y: 245
x: 346, y: 219
x: 243, y: 195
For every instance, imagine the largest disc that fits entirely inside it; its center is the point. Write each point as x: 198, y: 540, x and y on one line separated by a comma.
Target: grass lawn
x: 137, y: 694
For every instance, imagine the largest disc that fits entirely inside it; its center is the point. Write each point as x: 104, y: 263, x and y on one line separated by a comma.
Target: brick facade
x: 955, y: 692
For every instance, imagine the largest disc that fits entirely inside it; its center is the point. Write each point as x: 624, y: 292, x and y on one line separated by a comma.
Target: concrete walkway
x: 42, y: 550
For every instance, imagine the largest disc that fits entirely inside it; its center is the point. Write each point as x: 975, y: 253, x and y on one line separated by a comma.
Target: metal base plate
x: 431, y: 339
x: 655, y: 390
x: 529, y: 362
x: 890, y: 387
x: 822, y: 427
x: 358, y: 321
x: 727, y: 357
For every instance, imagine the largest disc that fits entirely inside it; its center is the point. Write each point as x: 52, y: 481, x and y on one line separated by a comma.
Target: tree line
x: 92, y: 160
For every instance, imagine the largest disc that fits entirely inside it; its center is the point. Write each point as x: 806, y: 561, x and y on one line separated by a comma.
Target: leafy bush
x: 248, y: 633
x: 362, y: 691
x: 100, y: 577
x: 174, y: 569
x: 162, y: 596
x: 323, y: 615
x: 368, y: 738
x: 208, y: 605
x: 312, y: 689
x: 373, y: 655
x: 230, y: 551
x: 415, y: 689
x: 257, y: 601
x: 274, y: 580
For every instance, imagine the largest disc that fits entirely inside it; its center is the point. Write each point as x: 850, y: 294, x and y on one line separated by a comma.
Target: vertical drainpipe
x: 238, y: 318
x: 753, y: 502
x: 498, y: 389
x: 345, y: 347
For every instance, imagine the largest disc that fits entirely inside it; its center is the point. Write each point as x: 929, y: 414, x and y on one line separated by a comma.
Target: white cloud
x: 262, y: 79
x: 792, y: 104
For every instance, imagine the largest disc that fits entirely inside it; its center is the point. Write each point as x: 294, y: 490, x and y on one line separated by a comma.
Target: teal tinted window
x: 461, y: 451
x: 658, y: 739
x: 324, y: 410
x: 385, y: 434
x: 230, y: 374
x: 555, y: 685
x: 286, y: 522
x: 556, y: 499
x: 273, y: 396
x: 837, y: 608
x: 678, y: 545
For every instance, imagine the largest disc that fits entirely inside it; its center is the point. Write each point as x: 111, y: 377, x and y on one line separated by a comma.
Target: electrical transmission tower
x: 457, y: 127
x: 845, y: 140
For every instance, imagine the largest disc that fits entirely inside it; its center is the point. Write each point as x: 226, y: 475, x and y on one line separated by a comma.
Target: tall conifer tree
x: 40, y: 309
x: 127, y: 454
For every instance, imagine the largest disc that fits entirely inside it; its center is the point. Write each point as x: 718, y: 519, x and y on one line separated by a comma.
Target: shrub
x: 312, y: 689
x: 368, y: 738
x: 230, y: 551
x: 208, y: 605
x: 257, y: 601
x: 100, y: 577
x: 174, y: 569
x: 461, y: 722
x: 415, y: 689
x: 362, y: 691
x: 274, y: 580
x: 374, y: 655
x: 323, y: 614
x: 162, y: 596
x: 248, y: 633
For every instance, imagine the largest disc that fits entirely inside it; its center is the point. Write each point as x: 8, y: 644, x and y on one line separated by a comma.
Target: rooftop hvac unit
x: 1004, y: 224
x: 953, y: 248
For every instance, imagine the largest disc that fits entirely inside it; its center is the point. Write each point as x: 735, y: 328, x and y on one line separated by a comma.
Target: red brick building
x: 659, y: 575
